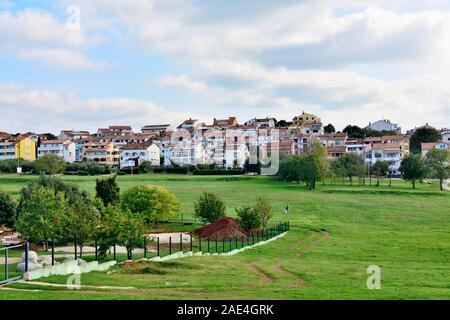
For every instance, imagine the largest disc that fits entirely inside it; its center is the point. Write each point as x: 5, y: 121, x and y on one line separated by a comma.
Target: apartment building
x: 427, y: 147
x: 100, y: 152
x: 73, y: 135
x: 384, y: 125
x: 7, y: 147
x: 261, y: 122
x: 392, y: 153
x: 156, y: 130
x: 133, y: 154
x: 62, y: 148
x: 114, y: 131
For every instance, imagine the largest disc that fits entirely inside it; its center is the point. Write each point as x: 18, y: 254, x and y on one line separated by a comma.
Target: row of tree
x: 313, y: 166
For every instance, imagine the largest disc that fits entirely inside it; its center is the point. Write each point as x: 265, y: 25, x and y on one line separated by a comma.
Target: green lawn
x: 336, y: 233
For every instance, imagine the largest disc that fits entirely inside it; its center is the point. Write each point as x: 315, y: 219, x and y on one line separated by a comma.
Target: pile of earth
x: 222, y: 228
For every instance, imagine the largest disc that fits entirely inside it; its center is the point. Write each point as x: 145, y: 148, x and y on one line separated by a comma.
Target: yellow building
x: 25, y: 148
x: 307, y: 123
x: 305, y: 119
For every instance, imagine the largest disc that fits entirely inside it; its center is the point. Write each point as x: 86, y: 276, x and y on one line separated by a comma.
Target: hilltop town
x: 225, y: 143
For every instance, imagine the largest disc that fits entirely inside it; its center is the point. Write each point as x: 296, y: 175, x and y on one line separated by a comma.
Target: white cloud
x: 24, y: 109
x: 37, y: 35
x: 63, y: 58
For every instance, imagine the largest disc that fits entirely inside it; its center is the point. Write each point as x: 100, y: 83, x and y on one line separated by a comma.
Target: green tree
x: 264, y: 210
x: 309, y: 170
x: 354, y: 131
x: 131, y: 231
x: 413, y: 168
x: 8, y: 210
x: 152, y: 203
x: 329, y: 129
x: 108, y: 232
x: 380, y: 168
x: 421, y: 135
x: 249, y: 218
x: 289, y: 169
x: 350, y: 165
x: 438, y: 162
x: 108, y: 190
x: 50, y: 164
x: 79, y: 223
x: 146, y: 167
x: 209, y: 207
x: 40, y: 215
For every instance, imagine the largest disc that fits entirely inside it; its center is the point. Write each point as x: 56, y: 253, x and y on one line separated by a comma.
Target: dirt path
x: 446, y: 185
x: 264, y: 277
x: 280, y: 267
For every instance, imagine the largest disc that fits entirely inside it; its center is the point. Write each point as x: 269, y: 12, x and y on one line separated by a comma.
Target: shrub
x: 7, y: 210
x: 264, y: 210
x: 249, y: 218
x: 152, y: 203
x: 108, y: 190
x: 50, y: 164
x: 209, y: 207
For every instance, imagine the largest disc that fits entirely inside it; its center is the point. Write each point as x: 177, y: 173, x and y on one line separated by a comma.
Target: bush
x: 7, y: 210
x: 50, y: 164
x: 87, y: 168
x: 264, y: 210
x: 108, y: 190
x: 152, y: 203
x: 209, y: 207
x: 249, y: 218
x: 10, y: 166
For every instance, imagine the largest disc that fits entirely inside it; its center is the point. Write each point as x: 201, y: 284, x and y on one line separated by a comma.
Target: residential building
x: 123, y: 140
x: 392, y: 153
x: 356, y: 146
x: 156, y: 130
x: 133, y: 154
x: 25, y: 147
x: 73, y: 135
x: 427, y: 147
x: 336, y: 151
x: 261, y: 122
x: 62, y: 148
x: 307, y: 123
x: 384, y: 125
x: 114, y: 131
x: 334, y: 139
x: 7, y: 147
x: 189, y: 124
x: 225, y: 123
x: 100, y: 152
x: 445, y: 135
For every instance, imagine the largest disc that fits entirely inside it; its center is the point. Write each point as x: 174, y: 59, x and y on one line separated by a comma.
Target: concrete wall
x: 178, y: 255
x: 67, y: 268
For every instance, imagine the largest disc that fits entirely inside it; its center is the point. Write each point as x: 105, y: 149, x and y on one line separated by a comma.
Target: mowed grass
x: 336, y: 233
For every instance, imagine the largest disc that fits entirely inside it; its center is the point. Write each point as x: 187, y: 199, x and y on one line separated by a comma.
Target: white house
x: 445, y: 135
x: 390, y: 152
x: 62, y: 148
x: 384, y: 125
x: 426, y: 147
x: 133, y: 154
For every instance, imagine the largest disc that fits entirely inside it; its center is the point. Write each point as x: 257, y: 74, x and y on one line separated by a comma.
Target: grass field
x: 336, y: 233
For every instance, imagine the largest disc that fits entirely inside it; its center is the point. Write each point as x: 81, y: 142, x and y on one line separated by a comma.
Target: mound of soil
x: 222, y: 228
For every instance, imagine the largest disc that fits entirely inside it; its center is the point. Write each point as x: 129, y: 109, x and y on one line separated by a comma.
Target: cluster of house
x: 225, y: 143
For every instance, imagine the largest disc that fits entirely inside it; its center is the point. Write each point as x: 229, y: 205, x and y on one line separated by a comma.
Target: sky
x: 84, y: 64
